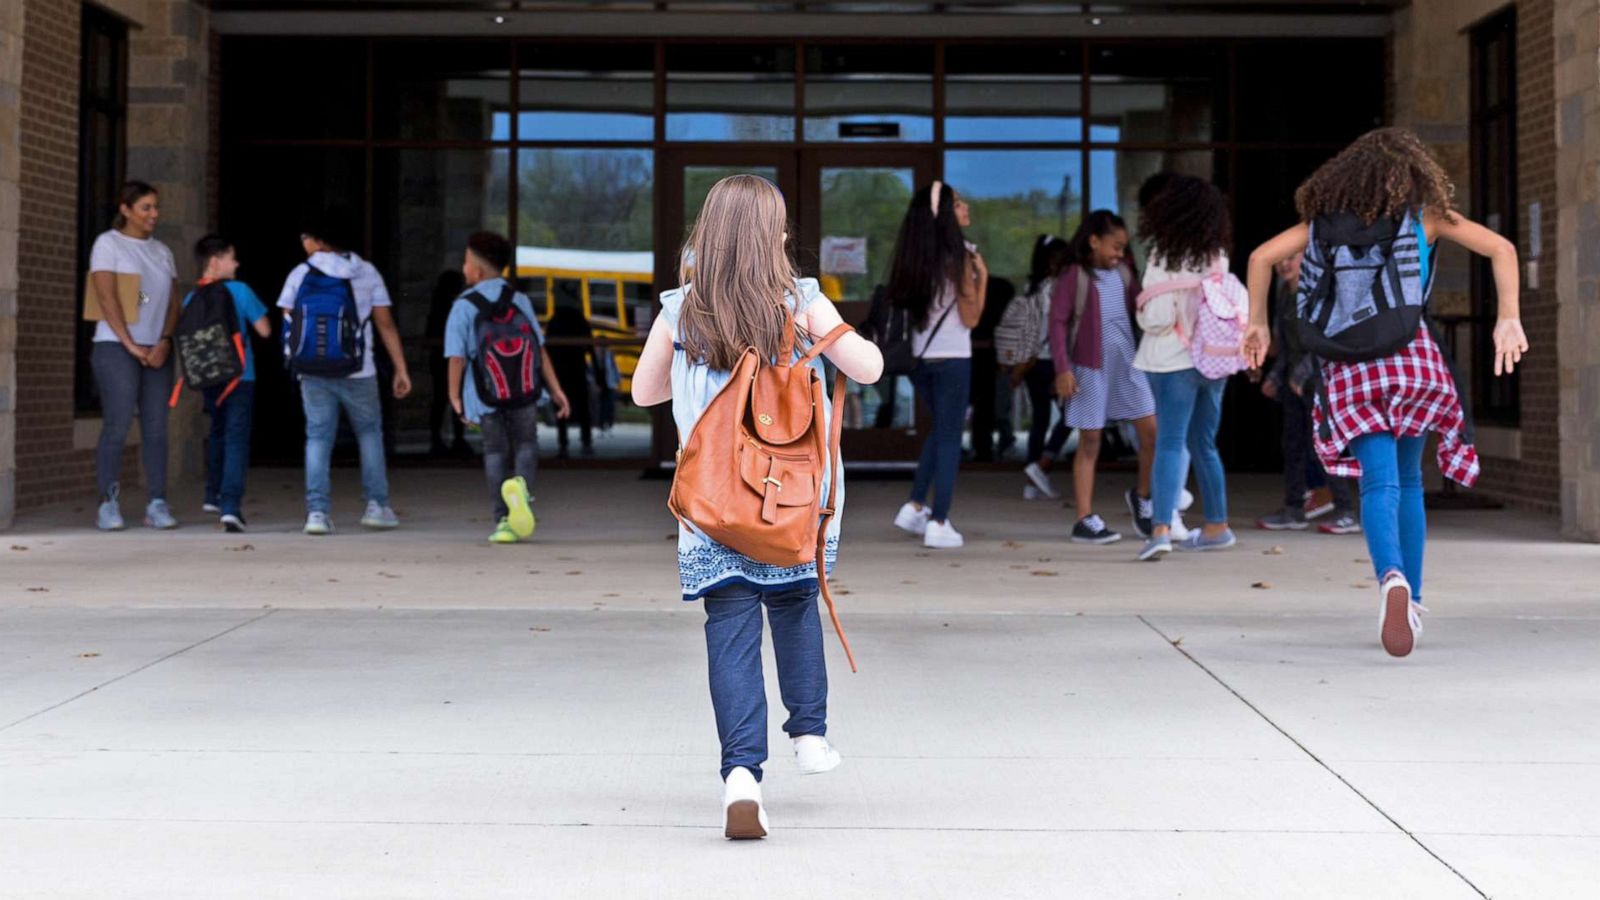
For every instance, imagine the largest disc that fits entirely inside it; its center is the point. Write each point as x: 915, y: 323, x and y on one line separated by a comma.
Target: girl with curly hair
x: 1373, y: 416
x: 1188, y: 230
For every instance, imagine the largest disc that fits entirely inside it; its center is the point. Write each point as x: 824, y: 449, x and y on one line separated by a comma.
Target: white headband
x: 933, y: 197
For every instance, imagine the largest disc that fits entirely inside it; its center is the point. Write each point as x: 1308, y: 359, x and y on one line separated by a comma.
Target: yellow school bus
x: 615, y: 290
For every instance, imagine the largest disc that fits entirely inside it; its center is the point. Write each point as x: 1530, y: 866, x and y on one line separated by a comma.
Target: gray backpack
x: 1361, y: 290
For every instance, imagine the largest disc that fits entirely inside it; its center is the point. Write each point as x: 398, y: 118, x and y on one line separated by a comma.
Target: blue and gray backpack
x: 325, y: 336
x: 1362, y: 289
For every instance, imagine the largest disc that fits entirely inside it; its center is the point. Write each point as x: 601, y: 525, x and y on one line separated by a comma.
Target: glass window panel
x: 1275, y: 106
x: 869, y: 92
x: 1171, y: 92
x: 1011, y: 93
x: 1115, y: 177
x: 698, y: 181
x: 866, y: 204
x: 442, y: 90
x: 730, y: 93
x: 585, y: 92
x: 266, y: 95
x: 1015, y: 196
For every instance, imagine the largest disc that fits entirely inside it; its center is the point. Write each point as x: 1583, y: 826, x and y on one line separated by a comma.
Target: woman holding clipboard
x: 130, y: 291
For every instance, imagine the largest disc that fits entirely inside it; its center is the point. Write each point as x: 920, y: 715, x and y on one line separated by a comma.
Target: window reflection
x: 587, y: 93
x: 869, y: 93
x: 435, y: 90
x: 1115, y: 177
x: 1015, y: 196
x: 995, y: 94
x: 1177, y: 94
x: 730, y: 93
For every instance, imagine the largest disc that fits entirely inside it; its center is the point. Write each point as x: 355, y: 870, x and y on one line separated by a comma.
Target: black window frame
x: 102, y: 162
x: 1496, y: 400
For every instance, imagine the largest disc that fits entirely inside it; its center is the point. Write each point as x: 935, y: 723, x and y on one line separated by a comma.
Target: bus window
x: 603, y: 306
x: 641, y: 302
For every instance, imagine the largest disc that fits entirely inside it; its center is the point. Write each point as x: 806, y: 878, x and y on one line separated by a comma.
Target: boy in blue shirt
x: 228, y: 448
x: 509, y: 421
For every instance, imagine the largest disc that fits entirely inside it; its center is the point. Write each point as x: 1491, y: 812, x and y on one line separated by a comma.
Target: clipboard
x: 128, y: 292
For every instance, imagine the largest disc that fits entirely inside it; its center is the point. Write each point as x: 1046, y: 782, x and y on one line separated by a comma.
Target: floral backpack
x: 1212, y: 319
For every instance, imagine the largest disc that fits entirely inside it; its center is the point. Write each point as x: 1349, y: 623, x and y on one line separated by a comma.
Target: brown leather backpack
x: 750, y: 475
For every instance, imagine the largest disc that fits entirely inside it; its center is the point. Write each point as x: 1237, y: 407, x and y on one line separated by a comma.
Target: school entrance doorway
x: 845, y: 207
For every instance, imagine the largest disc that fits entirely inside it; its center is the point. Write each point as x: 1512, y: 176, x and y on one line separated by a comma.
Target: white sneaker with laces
x: 942, y: 536
x: 1041, y: 480
x: 158, y: 515
x: 318, y: 523
x: 815, y: 755
x: 1399, y: 625
x: 912, y: 519
x: 379, y: 516
x: 744, y: 816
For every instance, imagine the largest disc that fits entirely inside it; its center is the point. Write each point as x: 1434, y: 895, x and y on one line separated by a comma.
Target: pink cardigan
x: 1063, y: 308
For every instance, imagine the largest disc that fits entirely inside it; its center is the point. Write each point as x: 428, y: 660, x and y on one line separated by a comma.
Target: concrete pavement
x: 415, y: 715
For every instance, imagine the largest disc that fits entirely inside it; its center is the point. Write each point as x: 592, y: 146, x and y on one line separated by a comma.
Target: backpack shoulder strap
x: 478, y: 301
x: 507, y: 294
x: 1187, y: 283
x: 835, y: 433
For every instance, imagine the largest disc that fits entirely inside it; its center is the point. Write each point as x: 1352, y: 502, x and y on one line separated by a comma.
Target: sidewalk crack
x: 107, y: 683
x: 1176, y: 645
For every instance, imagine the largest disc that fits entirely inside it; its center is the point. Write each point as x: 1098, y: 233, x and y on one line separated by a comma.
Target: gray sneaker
x: 379, y: 516
x: 157, y: 515
x: 1290, y: 518
x: 109, y: 517
x: 1154, y: 549
x: 318, y: 523
x: 1199, y: 542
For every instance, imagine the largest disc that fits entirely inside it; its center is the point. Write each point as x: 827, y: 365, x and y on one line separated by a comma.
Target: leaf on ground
x: 540, y: 628
x: 1274, y: 550
x: 18, y: 547
x: 1262, y: 585
x: 1362, y: 561
x: 611, y: 595
x: 567, y: 558
x: 533, y: 571
x: 1046, y: 559
x: 843, y: 593
x: 333, y: 580
x: 908, y: 581
x: 672, y: 537
x: 1177, y: 642
x: 1043, y: 573
x: 575, y: 572
x: 1019, y: 567
x: 955, y: 565
x: 387, y: 575
x: 1013, y: 545
x: 1360, y: 585
x: 242, y: 548
x: 923, y: 555
x: 87, y: 655
x: 38, y: 590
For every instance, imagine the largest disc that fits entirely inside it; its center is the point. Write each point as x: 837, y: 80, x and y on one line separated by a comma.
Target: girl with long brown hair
x: 1385, y: 195
x: 740, y: 291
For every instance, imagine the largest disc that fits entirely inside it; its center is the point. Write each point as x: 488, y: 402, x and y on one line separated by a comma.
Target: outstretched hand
x: 1257, y: 340
x: 1509, y: 344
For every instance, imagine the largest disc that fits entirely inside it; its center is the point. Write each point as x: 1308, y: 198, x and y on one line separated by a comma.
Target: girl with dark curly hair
x: 1188, y: 230
x: 1373, y: 415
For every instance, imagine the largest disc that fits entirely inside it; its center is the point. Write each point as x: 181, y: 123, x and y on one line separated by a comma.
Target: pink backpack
x: 1211, y: 319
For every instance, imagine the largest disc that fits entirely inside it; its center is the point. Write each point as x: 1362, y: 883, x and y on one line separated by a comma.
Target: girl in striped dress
x: 1373, y: 418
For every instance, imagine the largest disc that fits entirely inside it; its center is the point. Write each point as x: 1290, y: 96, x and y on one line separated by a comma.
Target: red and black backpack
x: 506, y: 361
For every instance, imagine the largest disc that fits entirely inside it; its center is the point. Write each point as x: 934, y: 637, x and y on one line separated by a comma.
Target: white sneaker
x: 1398, y: 622
x: 942, y: 536
x: 912, y: 519
x: 318, y: 523
x: 379, y: 516
x: 210, y: 508
x: 744, y: 816
x: 1029, y: 492
x: 1185, y: 500
x: 1041, y: 480
x: 1180, y: 531
x: 814, y: 755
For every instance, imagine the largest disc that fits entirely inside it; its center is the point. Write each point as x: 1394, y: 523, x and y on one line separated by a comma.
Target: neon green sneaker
x: 515, y: 493
x: 504, y: 534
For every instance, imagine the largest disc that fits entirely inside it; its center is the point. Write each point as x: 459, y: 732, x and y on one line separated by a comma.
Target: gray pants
x: 127, y: 387
x: 509, y: 436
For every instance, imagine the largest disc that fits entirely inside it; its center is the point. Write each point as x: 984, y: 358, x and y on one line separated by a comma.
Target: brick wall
x: 49, y: 470
x: 11, y: 42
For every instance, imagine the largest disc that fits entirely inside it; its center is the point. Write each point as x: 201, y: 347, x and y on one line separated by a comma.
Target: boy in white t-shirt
x: 356, y: 393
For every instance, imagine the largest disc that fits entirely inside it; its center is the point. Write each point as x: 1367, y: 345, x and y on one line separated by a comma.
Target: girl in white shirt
x: 1188, y: 229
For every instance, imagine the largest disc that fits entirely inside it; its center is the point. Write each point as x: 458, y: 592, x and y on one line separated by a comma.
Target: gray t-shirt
x: 152, y: 261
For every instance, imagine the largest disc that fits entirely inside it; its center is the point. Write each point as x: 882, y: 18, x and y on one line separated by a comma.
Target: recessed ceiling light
x: 1097, y: 21
x: 499, y: 20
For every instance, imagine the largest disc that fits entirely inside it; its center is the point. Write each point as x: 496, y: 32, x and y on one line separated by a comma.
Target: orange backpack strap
x: 835, y: 433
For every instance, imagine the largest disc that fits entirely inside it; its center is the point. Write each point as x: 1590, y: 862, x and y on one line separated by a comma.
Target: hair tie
x: 933, y: 196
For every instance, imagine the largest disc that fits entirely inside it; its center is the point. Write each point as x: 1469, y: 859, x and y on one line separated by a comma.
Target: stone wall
x: 1577, y: 259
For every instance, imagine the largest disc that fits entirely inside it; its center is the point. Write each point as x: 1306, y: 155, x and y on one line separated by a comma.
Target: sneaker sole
x: 379, y: 526
x: 520, y: 516
x: 151, y: 524
x: 1293, y: 526
x: 1153, y: 554
x: 1319, y: 511
x: 317, y: 532
x: 744, y: 821
x: 233, y: 528
x: 1207, y: 548
x: 1329, y: 529
x: 1099, y: 541
x: 1398, y: 638
x: 834, y: 764
x: 916, y: 532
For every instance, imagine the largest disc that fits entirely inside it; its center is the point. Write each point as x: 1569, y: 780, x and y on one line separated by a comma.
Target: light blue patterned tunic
x: 703, y: 564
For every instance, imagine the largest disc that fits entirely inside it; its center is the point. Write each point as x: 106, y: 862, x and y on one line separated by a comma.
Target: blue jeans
x: 733, y: 654
x: 128, y: 388
x: 1188, y: 411
x: 1392, y: 514
x: 228, y: 446
x: 943, y: 386
x: 358, y: 397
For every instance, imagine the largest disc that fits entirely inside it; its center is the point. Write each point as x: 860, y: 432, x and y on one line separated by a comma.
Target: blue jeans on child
x: 228, y: 446
x: 943, y: 386
x: 358, y: 397
x: 733, y: 654
x: 1188, y: 411
x: 1392, y: 514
